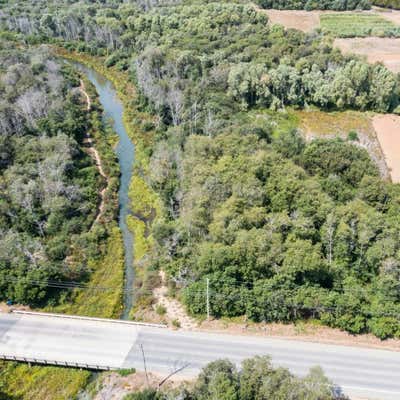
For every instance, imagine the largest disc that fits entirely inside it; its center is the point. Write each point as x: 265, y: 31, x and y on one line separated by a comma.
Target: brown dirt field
x: 387, y: 128
x: 305, y: 21
x: 385, y: 50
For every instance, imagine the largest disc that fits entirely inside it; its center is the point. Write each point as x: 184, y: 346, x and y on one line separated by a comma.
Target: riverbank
x: 92, y: 151
x: 145, y: 204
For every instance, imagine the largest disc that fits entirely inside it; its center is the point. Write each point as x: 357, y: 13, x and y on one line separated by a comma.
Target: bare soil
x: 387, y: 127
x: 305, y: 21
x: 116, y: 387
x: 174, y: 309
x: 4, y: 308
x: 385, y: 50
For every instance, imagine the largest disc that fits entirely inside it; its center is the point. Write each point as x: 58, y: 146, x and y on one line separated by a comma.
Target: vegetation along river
x: 113, y: 110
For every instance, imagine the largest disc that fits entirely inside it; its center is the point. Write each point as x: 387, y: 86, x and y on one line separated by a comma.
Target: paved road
x: 369, y: 373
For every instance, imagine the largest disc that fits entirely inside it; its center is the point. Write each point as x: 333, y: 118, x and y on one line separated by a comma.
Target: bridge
x: 111, y: 344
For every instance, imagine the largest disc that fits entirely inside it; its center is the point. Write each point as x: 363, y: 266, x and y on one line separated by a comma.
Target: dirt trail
x: 174, y: 309
x: 91, y: 149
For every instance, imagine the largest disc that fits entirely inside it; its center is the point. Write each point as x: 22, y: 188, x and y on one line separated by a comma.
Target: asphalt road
x: 367, y: 373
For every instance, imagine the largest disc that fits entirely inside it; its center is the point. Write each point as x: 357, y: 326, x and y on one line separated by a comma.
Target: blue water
x: 125, y: 151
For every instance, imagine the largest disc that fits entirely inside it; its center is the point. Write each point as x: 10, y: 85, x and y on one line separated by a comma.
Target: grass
x: 108, y: 272
x: 19, y: 381
x: 349, y: 125
x: 316, y: 123
x: 278, y: 121
x: 126, y: 371
x: 144, y: 199
x: 161, y: 310
x: 358, y: 25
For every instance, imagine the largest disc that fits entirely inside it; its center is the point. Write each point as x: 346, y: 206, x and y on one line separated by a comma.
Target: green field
x: 358, y: 25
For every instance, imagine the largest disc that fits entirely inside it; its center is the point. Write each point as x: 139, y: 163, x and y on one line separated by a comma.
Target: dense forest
x: 256, y: 379
x: 283, y: 229
x: 48, y: 183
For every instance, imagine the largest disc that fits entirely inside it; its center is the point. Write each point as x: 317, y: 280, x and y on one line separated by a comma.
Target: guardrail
x: 58, y: 363
x: 115, y: 321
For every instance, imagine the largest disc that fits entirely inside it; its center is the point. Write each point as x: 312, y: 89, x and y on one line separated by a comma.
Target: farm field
x: 387, y: 128
x: 385, y: 50
x: 305, y: 21
x: 346, y: 25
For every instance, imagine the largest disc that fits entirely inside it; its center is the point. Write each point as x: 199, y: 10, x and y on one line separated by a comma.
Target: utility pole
x: 208, y: 297
x: 144, y: 363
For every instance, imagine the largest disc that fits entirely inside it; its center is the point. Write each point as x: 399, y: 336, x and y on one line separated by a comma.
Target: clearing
x: 387, y: 127
x: 319, y: 124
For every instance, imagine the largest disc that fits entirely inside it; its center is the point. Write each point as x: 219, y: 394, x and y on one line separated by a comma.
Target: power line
x: 82, y: 285
x: 207, y: 292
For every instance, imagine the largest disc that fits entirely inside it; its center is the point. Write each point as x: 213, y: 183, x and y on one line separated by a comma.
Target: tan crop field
x: 387, y: 127
x: 305, y: 21
x: 385, y: 50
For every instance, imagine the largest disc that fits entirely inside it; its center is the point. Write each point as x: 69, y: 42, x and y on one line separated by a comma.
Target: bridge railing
x: 69, y: 364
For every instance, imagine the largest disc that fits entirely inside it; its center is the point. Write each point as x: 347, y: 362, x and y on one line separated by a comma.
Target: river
x: 125, y: 151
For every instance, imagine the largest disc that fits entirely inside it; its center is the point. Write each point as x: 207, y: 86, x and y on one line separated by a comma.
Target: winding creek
x: 125, y: 151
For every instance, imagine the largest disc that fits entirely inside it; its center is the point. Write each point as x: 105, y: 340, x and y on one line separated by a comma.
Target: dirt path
x: 174, y: 309
x: 92, y: 151
x: 83, y: 91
